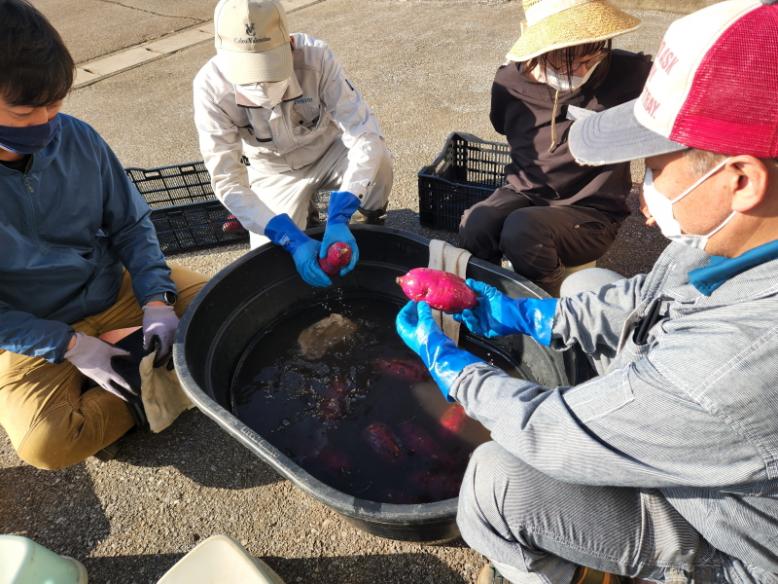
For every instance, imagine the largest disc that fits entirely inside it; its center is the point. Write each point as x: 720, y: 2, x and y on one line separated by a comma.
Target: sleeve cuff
x: 57, y: 354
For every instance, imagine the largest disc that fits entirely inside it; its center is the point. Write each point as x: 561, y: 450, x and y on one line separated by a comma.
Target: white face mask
x: 265, y: 94
x: 661, y: 209
x: 557, y: 80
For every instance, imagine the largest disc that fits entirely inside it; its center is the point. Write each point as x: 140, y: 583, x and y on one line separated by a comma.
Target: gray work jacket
x: 692, y: 412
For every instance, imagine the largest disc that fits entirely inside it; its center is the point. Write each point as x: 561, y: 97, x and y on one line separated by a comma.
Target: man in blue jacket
x: 664, y: 466
x: 79, y: 257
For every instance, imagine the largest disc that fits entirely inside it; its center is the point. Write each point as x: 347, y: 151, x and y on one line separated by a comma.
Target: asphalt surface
x: 426, y: 69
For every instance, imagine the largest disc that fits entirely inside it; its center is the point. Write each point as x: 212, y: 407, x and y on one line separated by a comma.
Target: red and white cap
x: 713, y: 86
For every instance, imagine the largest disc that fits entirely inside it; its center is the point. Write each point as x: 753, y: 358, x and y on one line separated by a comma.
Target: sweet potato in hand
x: 441, y: 290
x: 338, y: 257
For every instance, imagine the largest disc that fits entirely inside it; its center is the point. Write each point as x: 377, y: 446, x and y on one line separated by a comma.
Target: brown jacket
x: 546, y: 171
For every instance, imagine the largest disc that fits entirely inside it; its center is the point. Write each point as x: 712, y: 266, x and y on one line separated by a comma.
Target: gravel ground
x: 426, y: 69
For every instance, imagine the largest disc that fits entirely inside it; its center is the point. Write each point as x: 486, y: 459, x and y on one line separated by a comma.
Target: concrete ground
x: 426, y: 69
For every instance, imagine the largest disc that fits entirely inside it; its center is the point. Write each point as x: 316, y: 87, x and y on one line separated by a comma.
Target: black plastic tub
x: 254, y: 292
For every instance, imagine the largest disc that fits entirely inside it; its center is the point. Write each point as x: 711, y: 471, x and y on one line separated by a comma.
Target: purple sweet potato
x: 338, y: 256
x: 383, y: 442
x: 441, y: 290
x: 232, y: 225
x: 419, y: 442
x: 407, y: 369
x: 453, y: 419
x: 334, y: 404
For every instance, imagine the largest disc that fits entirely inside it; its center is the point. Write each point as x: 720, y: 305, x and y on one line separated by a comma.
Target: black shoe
x: 109, y: 452
x: 490, y: 575
x: 374, y: 217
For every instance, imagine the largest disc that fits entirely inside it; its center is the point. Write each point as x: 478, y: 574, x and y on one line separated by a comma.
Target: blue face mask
x: 28, y: 139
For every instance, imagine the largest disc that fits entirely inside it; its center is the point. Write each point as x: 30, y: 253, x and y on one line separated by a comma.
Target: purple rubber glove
x: 92, y: 357
x: 159, y: 330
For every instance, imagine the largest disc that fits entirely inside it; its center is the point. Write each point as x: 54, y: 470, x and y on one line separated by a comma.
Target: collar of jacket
x: 42, y: 158
x: 720, y: 270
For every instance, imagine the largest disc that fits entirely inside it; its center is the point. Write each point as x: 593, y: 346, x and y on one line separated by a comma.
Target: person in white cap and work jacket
x: 285, y: 104
x: 663, y: 467
x: 552, y: 212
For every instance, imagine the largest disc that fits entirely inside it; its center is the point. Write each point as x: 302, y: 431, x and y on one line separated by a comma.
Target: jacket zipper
x: 29, y: 200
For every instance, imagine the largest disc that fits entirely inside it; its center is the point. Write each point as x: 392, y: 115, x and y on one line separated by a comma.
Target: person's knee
x: 479, y: 228
x: 588, y: 280
x: 64, y: 435
x: 529, y: 247
x: 46, y: 450
x: 520, y: 233
x: 376, y: 199
x: 385, y: 176
x: 490, y: 474
x: 188, y: 284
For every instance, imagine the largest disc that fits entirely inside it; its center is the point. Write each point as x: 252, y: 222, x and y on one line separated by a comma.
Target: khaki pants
x: 50, y: 421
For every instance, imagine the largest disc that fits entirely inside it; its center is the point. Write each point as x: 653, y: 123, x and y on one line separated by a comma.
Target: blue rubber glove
x: 282, y: 231
x: 342, y: 206
x: 497, y: 314
x: 445, y: 361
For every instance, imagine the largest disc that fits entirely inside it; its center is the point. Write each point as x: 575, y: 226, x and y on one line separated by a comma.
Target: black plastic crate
x: 185, y: 211
x: 466, y: 171
x: 179, y: 184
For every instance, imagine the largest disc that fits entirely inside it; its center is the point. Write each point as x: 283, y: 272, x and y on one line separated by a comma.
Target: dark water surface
x: 366, y: 418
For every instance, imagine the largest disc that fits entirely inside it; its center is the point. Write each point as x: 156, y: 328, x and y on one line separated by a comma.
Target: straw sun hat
x: 556, y: 24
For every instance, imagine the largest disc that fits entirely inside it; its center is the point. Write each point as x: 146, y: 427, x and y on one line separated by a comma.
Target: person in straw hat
x: 663, y: 467
x: 552, y: 212
x: 283, y: 104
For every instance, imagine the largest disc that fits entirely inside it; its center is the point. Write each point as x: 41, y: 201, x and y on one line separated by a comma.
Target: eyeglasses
x: 587, y: 61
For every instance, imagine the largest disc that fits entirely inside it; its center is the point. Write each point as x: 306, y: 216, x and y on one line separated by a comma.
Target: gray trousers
x: 537, y: 530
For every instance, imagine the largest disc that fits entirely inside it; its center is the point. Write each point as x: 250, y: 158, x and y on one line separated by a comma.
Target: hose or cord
x: 554, y: 113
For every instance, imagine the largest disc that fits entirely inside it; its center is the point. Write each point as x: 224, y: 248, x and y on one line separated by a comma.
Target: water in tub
x: 336, y: 390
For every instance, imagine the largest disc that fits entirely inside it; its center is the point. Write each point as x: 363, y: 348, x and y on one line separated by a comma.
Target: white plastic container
x: 220, y: 560
x: 22, y: 561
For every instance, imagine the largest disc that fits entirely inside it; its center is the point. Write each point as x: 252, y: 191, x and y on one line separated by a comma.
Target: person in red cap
x: 663, y: 467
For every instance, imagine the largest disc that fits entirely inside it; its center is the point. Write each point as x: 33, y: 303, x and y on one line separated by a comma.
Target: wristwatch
x: 167, y: 297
